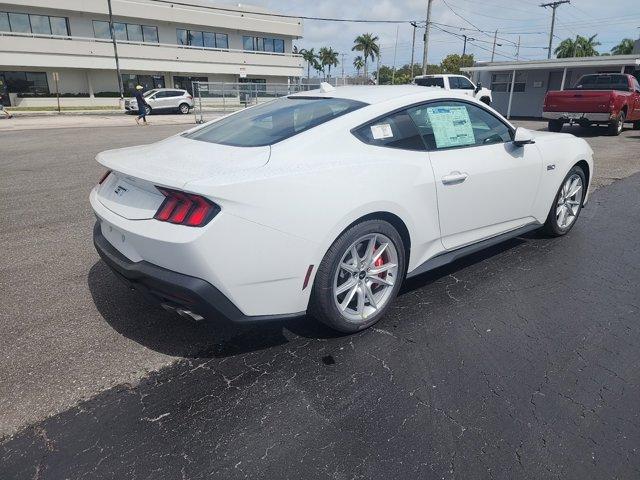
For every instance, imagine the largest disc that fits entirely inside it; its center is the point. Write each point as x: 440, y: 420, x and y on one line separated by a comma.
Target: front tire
x: 183, y: 108
x: 616, y: 126
x: 555, y: 125
x: 359, y: 277
x: 636, y: 125
x: 567, y: 203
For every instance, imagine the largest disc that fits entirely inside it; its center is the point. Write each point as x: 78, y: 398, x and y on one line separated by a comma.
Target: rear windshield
x: 430, y: 82
x: 274, y: 121
x: 603, y: 82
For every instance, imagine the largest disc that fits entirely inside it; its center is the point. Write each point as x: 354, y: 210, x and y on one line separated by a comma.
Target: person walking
x: 142, y: 104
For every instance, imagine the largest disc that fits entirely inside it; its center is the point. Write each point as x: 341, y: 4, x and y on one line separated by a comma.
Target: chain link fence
x: 226, y: 97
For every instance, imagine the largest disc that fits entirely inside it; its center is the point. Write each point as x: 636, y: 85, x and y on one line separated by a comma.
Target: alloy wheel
x: 365, y: 276
x: 569, y: 201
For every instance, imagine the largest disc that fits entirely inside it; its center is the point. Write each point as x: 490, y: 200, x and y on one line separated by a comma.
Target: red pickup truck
x: 604, y: 98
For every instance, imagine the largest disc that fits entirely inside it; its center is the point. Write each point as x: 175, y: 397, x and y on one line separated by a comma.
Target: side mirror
x: 478, y: 87
x: 522, y: 137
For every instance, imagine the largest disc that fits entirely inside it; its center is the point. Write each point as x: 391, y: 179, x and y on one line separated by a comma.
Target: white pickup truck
x: 455, y: 82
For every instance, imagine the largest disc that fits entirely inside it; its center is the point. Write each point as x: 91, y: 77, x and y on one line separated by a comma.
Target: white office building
x: 66, y: 46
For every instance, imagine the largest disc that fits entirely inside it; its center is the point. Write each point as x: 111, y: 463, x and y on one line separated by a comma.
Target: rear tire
x: 616, y: 126
x: 555, y: 125
x: 350, y: 294
x: 567, y: 204
x: 183, y: 108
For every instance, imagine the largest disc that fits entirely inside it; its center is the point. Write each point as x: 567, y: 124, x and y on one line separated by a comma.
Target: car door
x: 462, y: 85
x: 485, y: 184
x: 154, y: 101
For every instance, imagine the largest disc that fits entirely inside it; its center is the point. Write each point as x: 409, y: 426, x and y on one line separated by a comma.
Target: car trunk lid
x: 130, y: 190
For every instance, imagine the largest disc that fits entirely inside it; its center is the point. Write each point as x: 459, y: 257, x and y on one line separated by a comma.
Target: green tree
x: 309, y: 56
x: 580, y: 47
x: 452, y: 63
x: 367, y: 44
x: 625, y: 47
x: 328, y: 57
x: 358, y: 64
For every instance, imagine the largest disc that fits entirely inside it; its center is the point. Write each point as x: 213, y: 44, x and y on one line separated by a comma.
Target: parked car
x: 456, y: 82
x: 599, y: 99
x: 323, y: 202
x: 163, y: 100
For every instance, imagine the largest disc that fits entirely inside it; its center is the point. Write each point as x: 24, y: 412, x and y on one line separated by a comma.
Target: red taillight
x: 104, y: 177
x: 185, y: 208
x: 189, y: 97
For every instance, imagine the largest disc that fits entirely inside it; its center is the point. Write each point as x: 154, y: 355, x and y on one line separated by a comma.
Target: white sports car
x: 323, y: 202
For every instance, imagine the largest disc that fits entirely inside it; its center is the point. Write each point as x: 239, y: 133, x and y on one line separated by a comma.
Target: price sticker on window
x: 381, y: 131
x: 451, y: 126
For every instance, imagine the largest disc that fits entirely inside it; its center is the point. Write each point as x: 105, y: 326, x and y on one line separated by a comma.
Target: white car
x: 163, y: 100
x: 456, y: 82
x: 323, y: 202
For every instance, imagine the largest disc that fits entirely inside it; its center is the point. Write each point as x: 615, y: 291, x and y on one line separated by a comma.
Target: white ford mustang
x: 324, y: 201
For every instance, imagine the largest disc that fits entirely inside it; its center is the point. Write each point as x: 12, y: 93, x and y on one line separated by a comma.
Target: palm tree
x: 625, y: 47
x: 322, y: 55
x: 358, y: 63
x: 310, y: 57
x: 366, y: 43
x: 580, y: 47
x: 329, y: 58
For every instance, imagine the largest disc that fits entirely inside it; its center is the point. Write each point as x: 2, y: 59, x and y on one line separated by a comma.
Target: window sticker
x: 451, y: 126
x: 380, y: 131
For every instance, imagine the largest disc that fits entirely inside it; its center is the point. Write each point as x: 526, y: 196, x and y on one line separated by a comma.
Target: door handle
x: 454, y: 178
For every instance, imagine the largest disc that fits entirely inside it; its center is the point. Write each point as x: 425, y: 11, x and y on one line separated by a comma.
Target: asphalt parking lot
x: 519, y: 362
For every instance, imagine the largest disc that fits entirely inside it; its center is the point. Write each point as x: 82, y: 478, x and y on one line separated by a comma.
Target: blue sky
x: 612, y: 20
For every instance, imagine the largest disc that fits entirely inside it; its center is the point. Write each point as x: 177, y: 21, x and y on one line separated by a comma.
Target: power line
x: 280, y: 15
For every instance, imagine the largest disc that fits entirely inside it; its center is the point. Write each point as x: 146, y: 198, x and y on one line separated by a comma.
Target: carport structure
x: 519, y: 88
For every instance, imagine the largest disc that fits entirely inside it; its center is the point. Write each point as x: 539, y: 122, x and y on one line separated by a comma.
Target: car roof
x: 373, y: 94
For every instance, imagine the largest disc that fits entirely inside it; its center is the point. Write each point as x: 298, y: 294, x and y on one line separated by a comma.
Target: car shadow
x: 146, y: 323
x: 584, y: 132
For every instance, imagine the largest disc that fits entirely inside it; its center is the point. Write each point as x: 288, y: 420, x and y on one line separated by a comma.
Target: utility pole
x: 553, y: 6
x: 425, y: 53
x: 518, y: 48
x: 342, y: 65
x: 464, y: 48
x: 493, y: 50
x: 413, y: 48
x: 377, y: 72
x: 395, y: 51
x: 115, y: 52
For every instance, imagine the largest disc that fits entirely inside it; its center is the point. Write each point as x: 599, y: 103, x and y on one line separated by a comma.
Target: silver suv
x: 162, y: 100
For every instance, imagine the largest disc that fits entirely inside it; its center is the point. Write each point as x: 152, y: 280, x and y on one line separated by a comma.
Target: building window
x: 126, y: 31
x: 501, y: 82
x: 26, y: 82
x: 148, y: 82
x: 263, y: 44
x: 185, y: 83
x: 197, y: 38
x: 257, y: 85
x: 38, y: 24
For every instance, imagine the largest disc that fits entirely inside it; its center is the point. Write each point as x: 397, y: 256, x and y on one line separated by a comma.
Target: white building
x: 518, y: 88
x: 160, y: 44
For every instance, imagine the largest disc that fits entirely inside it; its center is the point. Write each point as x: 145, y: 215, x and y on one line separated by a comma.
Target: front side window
x: 274, y: 121
x: 395, y: 131
x: 464, y: 83
x: 451, y: 124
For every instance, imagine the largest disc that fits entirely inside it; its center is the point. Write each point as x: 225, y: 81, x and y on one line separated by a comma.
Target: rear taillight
x: 104, y: 177
x: 185, y: 208
x: 189, y: 97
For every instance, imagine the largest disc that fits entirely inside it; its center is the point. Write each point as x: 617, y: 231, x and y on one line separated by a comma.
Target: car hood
x: 176, y: 161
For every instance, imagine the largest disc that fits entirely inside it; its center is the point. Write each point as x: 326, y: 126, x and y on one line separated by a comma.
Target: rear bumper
x: 173, y: 289
x: 577, y: 116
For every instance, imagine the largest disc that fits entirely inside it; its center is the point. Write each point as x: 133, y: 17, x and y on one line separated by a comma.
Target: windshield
x: 149, y: 93
x: 603, y: 82
x: 274, y: 121
x: 430, y: 82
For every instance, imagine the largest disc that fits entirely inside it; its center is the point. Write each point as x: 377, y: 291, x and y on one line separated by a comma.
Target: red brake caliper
x: 379, y: 262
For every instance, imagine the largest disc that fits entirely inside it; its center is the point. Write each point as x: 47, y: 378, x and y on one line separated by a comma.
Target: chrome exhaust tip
x: 182, y: 312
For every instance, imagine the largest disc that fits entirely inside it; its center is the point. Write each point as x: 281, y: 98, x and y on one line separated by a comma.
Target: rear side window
x: 603, y: 82
x: 395, y: 131
x: 274, y: 121
x: 430, y: 82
